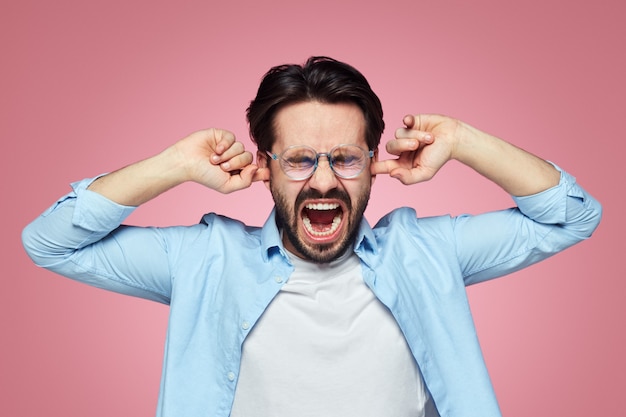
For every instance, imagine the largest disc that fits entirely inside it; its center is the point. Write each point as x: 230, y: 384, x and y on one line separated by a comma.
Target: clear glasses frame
x: 300, y: 162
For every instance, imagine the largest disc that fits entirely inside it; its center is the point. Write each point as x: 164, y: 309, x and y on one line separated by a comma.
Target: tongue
x: 321, y: 216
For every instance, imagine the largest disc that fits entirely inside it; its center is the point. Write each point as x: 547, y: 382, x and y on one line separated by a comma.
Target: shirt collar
x: 365, y: 241
x: 271, y: 240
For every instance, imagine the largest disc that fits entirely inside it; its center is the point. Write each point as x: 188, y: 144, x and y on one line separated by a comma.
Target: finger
x: 251, y: 173
x: 404, y: 133
x: 234, y: 150
x: 411, y: 176
x: 384, y: 167
x: 261, y: 174
x: 238, y: 180
x: 401, y: 145
x: 409, y: 121
x: 248, y: 174
x: 237, y: 162
x: 423, y: 122
x: 421, y: 135
x: 224, y: 139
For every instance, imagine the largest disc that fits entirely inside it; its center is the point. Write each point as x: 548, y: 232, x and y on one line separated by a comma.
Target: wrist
x: 173, y: 166
x: 463, y: 141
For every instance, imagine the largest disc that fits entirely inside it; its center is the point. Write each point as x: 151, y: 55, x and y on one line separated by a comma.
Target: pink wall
x: 89, y: 86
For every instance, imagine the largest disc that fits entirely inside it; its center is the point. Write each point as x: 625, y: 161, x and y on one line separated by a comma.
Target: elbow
x: 40, y: 248
x: 595, y: 219
x: 589, y: 221
x: 32, y: 244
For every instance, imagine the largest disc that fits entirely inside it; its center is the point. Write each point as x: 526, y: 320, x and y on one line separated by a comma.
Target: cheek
x: 360, y: 189
x: 284, y: 194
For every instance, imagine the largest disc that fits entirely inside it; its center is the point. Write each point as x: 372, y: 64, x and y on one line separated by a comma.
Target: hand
x: 215, y: 159
x: 423, y: 146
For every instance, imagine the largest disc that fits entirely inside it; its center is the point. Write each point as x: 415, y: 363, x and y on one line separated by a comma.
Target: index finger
x: 224, y: 140
x: 261, y: 174
x: 383, y: 167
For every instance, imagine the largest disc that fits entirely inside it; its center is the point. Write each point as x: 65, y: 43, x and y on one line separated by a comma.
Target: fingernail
x: 215, y: 158
x: 226, y: 165
x: 428, y: 137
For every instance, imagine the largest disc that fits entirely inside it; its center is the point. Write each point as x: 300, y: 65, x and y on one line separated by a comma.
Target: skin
x: 320, y: 126
x: 422, y: 146
x: 427, y: 142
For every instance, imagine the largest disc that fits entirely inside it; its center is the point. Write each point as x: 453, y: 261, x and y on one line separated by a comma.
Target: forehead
x: 319, y: 125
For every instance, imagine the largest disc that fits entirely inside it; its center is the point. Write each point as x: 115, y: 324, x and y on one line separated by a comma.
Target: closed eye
x: 298, y: 162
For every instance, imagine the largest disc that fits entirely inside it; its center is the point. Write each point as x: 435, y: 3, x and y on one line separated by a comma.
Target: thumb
x: 411, y: 176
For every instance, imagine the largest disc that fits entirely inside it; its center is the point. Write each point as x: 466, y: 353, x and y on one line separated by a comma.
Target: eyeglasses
x: 299, y: 162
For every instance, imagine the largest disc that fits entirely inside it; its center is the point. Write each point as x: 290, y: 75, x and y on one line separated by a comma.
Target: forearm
x: 518, y: 172
x: 142, y: 181
x: 211, y: 157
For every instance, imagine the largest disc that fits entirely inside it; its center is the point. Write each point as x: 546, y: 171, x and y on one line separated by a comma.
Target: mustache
x: 332, y: 194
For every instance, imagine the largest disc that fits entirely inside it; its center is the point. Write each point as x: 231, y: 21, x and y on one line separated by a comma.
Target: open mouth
x: 322, y: 220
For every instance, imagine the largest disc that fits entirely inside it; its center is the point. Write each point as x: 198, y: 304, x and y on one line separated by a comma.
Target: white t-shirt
x: 326, y: 346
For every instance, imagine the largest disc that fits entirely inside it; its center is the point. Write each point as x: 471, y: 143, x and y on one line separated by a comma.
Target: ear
x: 374, y: 159
x: 262, y: 163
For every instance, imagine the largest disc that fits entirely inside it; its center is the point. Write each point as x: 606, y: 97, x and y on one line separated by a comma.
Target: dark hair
x: 320, y: 79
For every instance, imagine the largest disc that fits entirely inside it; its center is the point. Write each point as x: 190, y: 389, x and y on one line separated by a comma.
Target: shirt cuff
x: 95, y: 212
x: 550, y: 206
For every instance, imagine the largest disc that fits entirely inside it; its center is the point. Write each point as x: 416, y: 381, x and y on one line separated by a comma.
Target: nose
x: 323, y: 179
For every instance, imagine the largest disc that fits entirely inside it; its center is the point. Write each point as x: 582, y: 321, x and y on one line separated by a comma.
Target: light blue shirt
x: 220, y: 275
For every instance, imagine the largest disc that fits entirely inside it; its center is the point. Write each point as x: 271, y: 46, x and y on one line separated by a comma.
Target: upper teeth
x: 322, y: 206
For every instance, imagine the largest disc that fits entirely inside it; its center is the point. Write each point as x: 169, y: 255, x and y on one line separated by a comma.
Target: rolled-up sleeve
x: 494, y: 244
x: 567, y: 205
x: 81, y: 237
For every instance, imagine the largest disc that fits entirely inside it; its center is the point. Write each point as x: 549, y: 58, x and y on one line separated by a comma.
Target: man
x: 316, y: 313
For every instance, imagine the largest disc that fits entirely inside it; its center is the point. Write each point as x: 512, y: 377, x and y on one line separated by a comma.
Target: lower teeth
x: 333, y: 227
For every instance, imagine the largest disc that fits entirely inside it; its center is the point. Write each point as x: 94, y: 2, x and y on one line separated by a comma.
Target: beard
x: 287, y: 221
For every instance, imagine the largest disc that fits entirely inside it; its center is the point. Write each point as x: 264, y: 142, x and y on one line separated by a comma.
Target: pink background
x: 89, y: 86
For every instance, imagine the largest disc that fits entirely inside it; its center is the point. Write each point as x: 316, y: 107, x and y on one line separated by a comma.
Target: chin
x: 319, y: 252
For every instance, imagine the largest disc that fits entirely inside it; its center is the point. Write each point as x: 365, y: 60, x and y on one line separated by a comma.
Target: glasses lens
x: 298, y: 162
x: 348, y: 160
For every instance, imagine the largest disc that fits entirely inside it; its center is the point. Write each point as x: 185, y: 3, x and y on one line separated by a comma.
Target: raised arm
x: 553, y: 212
x: 427, y: 142
x: 80, y: 235
x: 210, y: 157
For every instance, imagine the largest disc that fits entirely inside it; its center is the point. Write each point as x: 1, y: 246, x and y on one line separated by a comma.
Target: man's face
x: 319, y: 216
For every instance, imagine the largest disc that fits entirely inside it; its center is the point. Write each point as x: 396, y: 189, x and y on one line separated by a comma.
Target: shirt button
x: 278, y: 280
x: 231, y: 376
x: 245, y: 325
